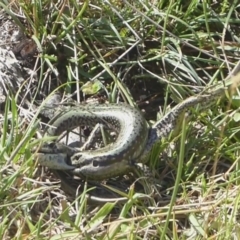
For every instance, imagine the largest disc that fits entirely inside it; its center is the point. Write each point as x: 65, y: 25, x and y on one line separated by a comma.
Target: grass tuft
x: 148, y: 54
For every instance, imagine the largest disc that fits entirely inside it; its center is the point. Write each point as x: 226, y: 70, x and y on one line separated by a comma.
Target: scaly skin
x: 134, y: 142
x: 98, y: 164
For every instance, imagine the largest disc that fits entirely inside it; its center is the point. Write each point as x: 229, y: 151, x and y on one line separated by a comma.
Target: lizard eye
x: 95, y: 163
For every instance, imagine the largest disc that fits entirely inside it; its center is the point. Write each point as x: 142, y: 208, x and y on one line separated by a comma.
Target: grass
x: 148, y: 54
